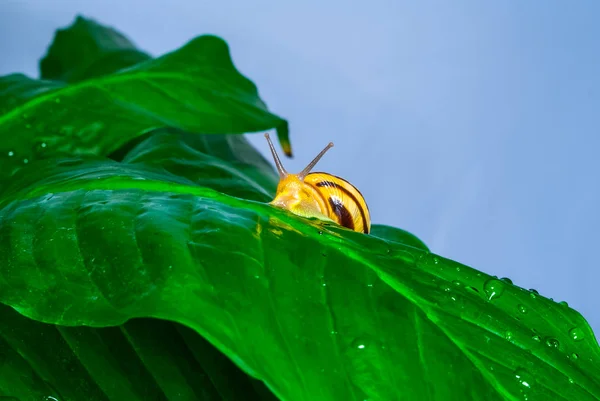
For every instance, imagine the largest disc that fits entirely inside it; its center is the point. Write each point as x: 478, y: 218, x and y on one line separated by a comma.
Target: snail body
x: 321, y: 195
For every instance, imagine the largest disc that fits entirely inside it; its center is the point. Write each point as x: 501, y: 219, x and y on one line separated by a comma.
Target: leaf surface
x: 226, y: 163
x: 141, y: 360
x: 196, y: 88
x: 313, y: 310
x: 86, y: 50
x: 397, y: 235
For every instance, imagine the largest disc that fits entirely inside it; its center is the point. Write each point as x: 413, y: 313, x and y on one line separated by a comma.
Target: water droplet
x: 40, y: 148
x: 571, y: 381
x: 523, y: 378
x: 506, y: 280
x: 564, y: 303
x: 552, y: 342
x: 25, y: 161
x: 11, y: 153
x: 257, y: 276
x: 472, y: 289
x: 369, y: 285
x: 436, y: 260
x: 320, y: 232
x: 533, y: 293
x: 456, y: 283
x: 508, y: 335
x: 576, y: 334
x: 574, y: 356
x: 457, y: 268
x: 324, y: 284
x: 361, y: 344
x: 537, y: 338
x: 493, y: 288
x: 333, y: 332
x: 522, y: 308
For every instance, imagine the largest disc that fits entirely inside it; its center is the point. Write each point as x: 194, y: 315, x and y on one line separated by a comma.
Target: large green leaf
x: 227, y: 163
x: 196, y: 88
x: 118, y: 273
x: 144, y: 359
x: 397, y: 235
x: 313, y: 310
x: 87, y: 50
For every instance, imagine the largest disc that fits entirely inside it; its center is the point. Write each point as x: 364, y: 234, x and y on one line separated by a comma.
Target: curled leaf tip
x: 283, y: 134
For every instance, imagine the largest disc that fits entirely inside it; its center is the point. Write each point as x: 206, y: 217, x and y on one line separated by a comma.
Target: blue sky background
x: 475, y: 125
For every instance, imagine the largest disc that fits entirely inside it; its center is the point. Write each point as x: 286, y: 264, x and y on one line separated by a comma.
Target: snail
x: 321, y: 195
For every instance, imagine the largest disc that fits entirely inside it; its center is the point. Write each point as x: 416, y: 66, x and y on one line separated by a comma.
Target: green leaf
x: 314, y: 310
x: 397, y: 235
x: 86, y: 50
x: 195, y: 88
x: 143, y: 359
x: 226, y: 163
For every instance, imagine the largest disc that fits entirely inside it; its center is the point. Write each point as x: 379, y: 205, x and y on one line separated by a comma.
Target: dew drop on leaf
x: 537, y: 338
x: 472, y: 289
x: 40, y: 148
x: 533, y: 293
x: 11, y: 153
x: 564, y: 303
x: 574, y: 356
x: 576, y: 334
x: 493, y: 288
x: 522, y: 308
x: 552, y: 342
x: 508, y: 335
x: 359, y: 344
x: 456, y: 283
x: 506, y: 280
x: 523, y: 378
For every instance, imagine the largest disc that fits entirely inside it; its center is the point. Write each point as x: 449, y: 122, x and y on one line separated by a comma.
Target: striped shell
x: 321, y: 195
